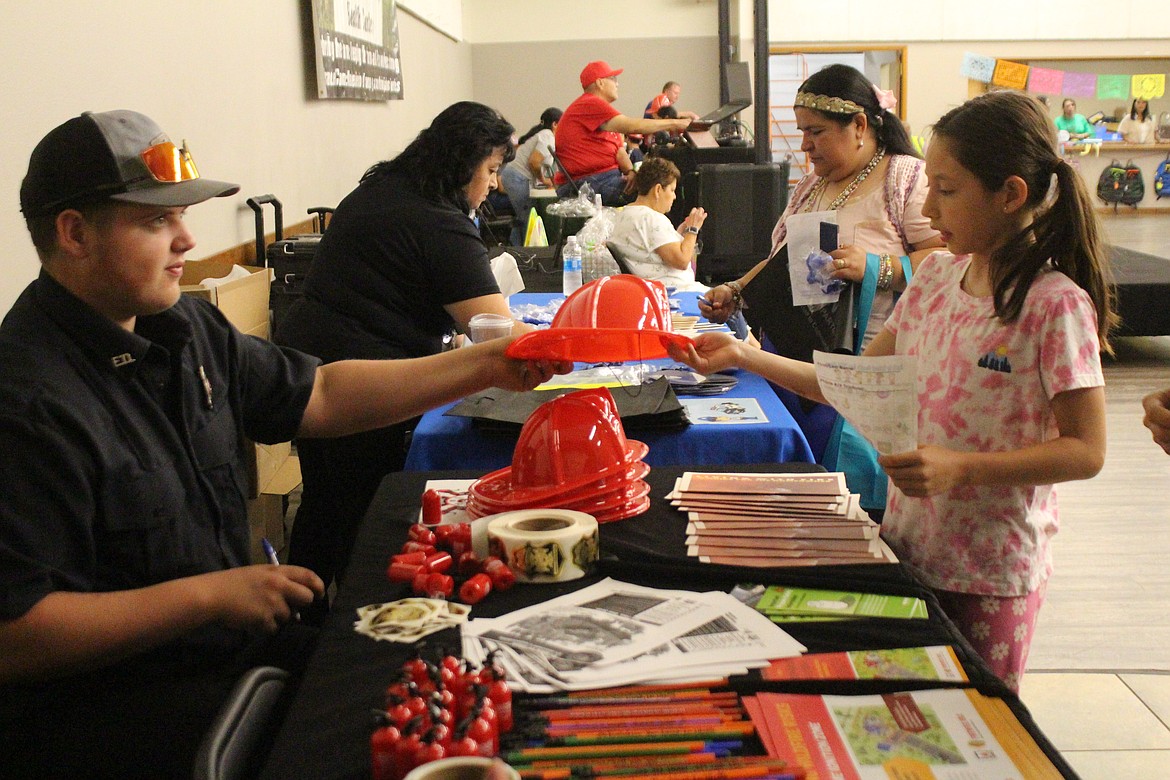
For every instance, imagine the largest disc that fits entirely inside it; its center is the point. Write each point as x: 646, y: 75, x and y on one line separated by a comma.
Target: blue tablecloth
x: 440, y: 442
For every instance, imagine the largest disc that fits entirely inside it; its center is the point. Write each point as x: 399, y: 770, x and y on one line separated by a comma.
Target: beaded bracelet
x: 885, y: 272
x: 736, y: 296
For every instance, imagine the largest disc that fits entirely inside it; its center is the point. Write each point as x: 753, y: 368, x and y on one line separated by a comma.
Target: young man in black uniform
x: 127, y: 608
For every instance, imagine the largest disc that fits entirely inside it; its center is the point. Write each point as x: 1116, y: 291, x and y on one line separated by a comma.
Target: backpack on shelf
x: 1121, y: 184
x: 1162, y: 178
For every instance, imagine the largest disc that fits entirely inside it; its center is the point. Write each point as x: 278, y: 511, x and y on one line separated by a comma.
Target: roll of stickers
x: 544, y: 545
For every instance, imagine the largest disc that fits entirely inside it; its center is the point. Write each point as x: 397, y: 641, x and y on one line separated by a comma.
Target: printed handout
x: 615, y: 633
x: 877, y: 395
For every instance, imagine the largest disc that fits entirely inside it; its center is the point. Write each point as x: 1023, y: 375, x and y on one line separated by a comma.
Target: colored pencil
x: 624, y: 690
x: 590, y: 724
x: 715, y: 716
x: 644, y: 710
x: 764, y: 768
x: 715, y: 768
x: 667, y: 734
x: 561, y: 702
x: 629, y: 763
x: 525, y: 755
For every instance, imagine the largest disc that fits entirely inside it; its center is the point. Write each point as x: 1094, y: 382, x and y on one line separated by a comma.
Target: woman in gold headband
x: 865, y: 168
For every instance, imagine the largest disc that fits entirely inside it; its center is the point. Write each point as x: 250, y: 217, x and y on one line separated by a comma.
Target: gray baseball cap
x: 120, y: 155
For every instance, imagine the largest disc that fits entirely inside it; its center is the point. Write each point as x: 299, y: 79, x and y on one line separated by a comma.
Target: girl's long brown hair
x: 1004, y: 134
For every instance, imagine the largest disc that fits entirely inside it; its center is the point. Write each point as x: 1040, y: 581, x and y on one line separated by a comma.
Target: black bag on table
x: 649, y: 407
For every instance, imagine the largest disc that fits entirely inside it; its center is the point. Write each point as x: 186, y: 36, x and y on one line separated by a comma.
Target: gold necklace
x: 839, y: 201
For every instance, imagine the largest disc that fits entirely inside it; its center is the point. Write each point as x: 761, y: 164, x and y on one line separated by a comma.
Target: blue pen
x: 269, y: 552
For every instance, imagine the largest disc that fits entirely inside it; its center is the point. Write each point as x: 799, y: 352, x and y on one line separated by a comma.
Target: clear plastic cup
x: 485, y: 327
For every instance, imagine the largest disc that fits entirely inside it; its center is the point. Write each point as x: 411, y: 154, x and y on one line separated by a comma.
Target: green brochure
x: 801, y: 604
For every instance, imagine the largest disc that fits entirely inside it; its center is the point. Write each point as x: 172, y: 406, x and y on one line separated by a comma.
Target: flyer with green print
x: 784, y: 603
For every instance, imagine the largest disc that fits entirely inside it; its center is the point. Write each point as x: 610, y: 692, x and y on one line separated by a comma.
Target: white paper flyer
x: 877, y: 395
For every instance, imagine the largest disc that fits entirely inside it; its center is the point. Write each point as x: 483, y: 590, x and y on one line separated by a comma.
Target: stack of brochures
x: 614, y: 633
x: 945, y: 734
x: 776, y: 520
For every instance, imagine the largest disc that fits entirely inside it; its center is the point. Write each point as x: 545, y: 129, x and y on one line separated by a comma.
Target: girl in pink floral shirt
x: 1006, y: 328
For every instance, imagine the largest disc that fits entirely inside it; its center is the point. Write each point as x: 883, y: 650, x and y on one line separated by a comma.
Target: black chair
x: 228, y: 750
x: 622, y: 263
x: 495, y: 217
x: 568, y: 179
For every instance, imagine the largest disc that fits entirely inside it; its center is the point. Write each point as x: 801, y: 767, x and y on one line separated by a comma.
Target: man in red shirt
x: 589, y: 136
x: 669, y: 96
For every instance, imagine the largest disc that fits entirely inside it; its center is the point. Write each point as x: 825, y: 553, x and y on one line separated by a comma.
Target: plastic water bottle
x: 588, y: 262
x: 571, y: 261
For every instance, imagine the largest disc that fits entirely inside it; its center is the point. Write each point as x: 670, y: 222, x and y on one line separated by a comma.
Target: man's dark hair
x: 443, y: 158
x: 43, y: 227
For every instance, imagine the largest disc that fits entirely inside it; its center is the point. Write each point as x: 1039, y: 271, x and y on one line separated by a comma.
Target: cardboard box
x: 268, y: 460
x: 266, y: 511
x: 243, y: 301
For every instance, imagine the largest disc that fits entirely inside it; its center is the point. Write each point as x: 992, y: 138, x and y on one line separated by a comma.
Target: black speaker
x: 743, y: 202
x: 688, y: 159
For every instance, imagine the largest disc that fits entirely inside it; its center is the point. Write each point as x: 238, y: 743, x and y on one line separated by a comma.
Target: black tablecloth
x: 326, y: 733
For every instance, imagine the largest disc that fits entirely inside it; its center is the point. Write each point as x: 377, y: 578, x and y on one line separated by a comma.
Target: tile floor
x: 1109, y: 724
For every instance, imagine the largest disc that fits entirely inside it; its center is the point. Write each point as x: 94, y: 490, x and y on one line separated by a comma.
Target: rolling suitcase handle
x: 320, y: 213
x: 257, y: 206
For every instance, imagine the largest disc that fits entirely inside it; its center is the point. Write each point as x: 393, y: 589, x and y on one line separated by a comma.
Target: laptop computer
x: 739, y: 97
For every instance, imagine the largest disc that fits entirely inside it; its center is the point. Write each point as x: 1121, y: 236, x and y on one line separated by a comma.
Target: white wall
x: 231, y: 78
x: 835, y: 21
x: 503, y: 21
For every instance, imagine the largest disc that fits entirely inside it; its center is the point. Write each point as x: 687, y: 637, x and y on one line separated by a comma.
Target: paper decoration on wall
x: 1113, y: 86
x: 1012, y: 75
x: 1149, y: 85
x: 978, y: 68
x: 1046, y: 81
x: 1080, y: 84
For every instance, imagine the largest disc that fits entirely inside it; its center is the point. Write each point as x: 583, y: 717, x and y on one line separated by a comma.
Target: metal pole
x: 724, y: 49
x: 763, y: 114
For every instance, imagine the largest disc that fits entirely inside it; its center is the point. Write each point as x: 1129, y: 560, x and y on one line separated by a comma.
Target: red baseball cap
x: 598, y: 69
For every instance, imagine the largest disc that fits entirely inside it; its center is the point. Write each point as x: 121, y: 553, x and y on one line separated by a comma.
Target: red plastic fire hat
x: 614, y: 318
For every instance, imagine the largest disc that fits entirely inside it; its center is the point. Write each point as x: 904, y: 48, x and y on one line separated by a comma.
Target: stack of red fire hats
x: 572, y: 454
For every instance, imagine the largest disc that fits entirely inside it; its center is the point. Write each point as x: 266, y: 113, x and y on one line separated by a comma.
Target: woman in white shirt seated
x: 1137, y: 127
x: 533, y: 152
x: 653, y: 247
